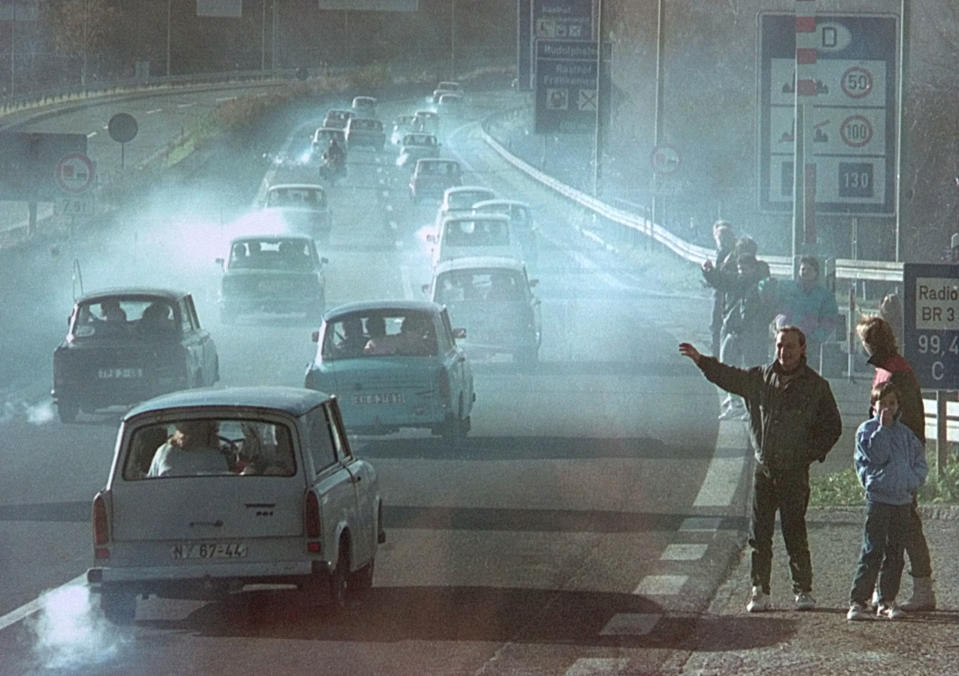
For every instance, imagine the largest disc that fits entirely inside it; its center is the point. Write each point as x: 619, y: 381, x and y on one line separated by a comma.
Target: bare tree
x: 83, y: 28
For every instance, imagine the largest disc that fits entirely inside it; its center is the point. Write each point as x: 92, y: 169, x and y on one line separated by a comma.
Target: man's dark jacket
x: 792, y: 421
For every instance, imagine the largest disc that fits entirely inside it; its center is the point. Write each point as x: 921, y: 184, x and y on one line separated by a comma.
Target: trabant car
x: 337, y: 117
x: 492, y: 298
x: 521, y: 223
x: 426, y: 120
x: 320, y: 138
x: 450, y: 104
x: 394, y: 365
x: 402, y: 125
x: 125, y: 345
x: 364, y: 106
x: 365, y: 131
x: 275, y: 274
x: 446, y: 87
x: 473, y: 235
x: 416, y: 146
x: 299, y: 208
x: 431, y: 176
x: 214, y: 490
x: 460, y: 199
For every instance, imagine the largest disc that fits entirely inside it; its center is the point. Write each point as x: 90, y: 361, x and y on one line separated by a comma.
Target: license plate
x: 388, y: 398
x: 114, y: 374
x: 221, y: 550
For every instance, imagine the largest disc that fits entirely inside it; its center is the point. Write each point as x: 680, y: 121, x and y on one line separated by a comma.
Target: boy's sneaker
x: 890, y: 611
x: 805, y: 601
x: 858, y: 611
x: 758, y: 601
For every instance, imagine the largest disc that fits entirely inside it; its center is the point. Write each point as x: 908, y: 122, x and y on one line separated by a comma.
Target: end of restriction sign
x: 75, y: 173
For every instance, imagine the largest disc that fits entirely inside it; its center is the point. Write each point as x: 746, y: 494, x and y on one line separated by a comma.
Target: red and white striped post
x: 804, y: 169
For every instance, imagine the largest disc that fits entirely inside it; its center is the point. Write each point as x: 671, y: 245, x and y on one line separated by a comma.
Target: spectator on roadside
x: 890, y: 309
x: 793, y: 421
x: 806, y: 303
x: 891, y: 465
x: 879, y: 342
x: 716, y: 272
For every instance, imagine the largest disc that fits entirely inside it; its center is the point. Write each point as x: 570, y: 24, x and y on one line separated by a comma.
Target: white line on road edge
x: 28, y: 609
x: 590, y: 666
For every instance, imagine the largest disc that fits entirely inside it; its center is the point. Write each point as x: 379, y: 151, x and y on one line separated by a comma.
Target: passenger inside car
x: 192, y: 450
x: 347, y: 339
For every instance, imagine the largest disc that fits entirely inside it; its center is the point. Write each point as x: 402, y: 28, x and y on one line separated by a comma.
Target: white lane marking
x: 28, y: 609
x: 154, y: 111
x: 700, y: 524
x: 92, y: 134
x: 185, y: 105
x: 661, y: 585
x: 221, y: 99
x: 588, y: 666
x: 631, y: 624
x: 683, y: 552
x: 722, y: 479
x: 407, y: 283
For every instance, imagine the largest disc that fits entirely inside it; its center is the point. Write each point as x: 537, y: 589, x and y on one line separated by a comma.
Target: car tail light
x: 101, y: 525
x: 313, y: 522
x: 444, y: 384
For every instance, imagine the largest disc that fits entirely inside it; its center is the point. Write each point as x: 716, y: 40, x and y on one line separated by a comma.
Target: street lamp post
x: 452, y: 39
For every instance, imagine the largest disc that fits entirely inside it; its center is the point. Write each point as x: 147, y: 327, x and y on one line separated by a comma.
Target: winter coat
x: 793, y: 421
x: 890, y: 461
x: 894, y: 367
x: 813, y: 310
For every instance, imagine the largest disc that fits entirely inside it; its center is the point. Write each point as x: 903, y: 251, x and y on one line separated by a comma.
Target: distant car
x: 365, y: 131
x: 427, y: 121
x: 364, y: 106
x: 273, y: 494
x: 450, y: 104
x: 521, y: 223
x: 460, y: 199
x: 431, y: 176
x: 416, y: 146
x: 447, y: 87
x: 394, y: 365
x: 337, y: 118
x: 492, y: 298
x: 320, y: 139
x: 402, y: 125
x: 300, y: 208
x: 125, y: 345
x: 474, y: 235
x: 274, y: 274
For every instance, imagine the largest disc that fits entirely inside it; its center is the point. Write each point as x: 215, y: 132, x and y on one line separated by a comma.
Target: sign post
x: 931, y: 336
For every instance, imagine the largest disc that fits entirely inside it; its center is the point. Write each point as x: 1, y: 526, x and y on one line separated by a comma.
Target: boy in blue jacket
x: 891, y: 466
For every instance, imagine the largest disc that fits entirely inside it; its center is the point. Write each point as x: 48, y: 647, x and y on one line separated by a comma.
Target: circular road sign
x: 122, y: 127
x: 665, y: 159
x: 856, y: 82
x: 856, y: 131
x: 75, y: 173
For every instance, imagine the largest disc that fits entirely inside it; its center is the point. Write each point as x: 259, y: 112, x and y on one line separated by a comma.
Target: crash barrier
x: 844, y: 268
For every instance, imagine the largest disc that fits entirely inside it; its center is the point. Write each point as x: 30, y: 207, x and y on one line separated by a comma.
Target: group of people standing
x: 794, y: 421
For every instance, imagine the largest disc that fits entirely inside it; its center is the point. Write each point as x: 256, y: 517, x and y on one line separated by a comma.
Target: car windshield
x: 296, y: 196
x: 480, y: 285
x: 379, y: 333
x: 469, y: 233
x: 271, y: 254
x: 222, y: 447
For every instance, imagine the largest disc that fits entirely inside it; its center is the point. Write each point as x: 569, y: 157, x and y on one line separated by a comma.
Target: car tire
x: 67, y: 410
x: 338, y: 590
x: 456, y: 427
x: 361, y: 580
x: 119, y: 608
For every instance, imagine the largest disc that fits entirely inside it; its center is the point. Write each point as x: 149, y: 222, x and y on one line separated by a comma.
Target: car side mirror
x: 533, y: 282
x: 324, y: 260
x: 426, y: 288
x: 315, y: 336
x: 431, y: 239
x: 219, y: 261
x: 459, y: 333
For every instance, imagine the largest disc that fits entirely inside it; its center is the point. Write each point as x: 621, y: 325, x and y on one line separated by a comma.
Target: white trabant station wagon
x: 212, y: 490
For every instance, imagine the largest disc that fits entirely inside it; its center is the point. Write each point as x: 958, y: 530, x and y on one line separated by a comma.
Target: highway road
x: 582, y: 527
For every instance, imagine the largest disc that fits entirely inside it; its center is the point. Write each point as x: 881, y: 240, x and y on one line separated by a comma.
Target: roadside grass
x: 840, y: 489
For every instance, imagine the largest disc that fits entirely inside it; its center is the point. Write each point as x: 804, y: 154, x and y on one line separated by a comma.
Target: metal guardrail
x: 845, y: 268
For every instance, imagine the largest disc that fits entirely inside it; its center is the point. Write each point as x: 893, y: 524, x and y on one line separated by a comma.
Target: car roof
x: 145, y: 291
x: 501, y: 202
x: 458, y: 216
x: 426, y: 113
x: 486, y: 262
x: 291, y: 400
x: 296, y: 186
x: 436, y: 160
x: 291, y: 237
x: 451, y: 96
x: 387, y: 305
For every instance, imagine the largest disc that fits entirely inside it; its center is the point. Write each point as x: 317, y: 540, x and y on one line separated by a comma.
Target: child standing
x: 891, y: 466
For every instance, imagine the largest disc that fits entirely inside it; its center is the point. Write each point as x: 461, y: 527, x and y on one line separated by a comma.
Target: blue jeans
x: 883, y: 540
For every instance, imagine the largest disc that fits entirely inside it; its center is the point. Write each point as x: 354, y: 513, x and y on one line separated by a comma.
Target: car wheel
x: 119, y: 608
x: 339, y: 579
x: 67, y: 410
x: 362, y: 579
x: 456, y: 427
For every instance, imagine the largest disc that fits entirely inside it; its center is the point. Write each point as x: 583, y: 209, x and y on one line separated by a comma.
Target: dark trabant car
x: 365, y: 131
x: 275, y: 274
x: 213, y: 491
x: 126, y: 345
x: 431, y: 176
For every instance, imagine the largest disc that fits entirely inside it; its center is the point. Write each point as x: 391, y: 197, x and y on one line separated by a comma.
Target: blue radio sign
x: 931, y: 323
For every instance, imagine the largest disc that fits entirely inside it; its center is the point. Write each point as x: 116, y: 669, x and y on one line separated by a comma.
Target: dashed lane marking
x: 683, y: 552
x: 589, y: 666
x: 700, y: 524
x: 631, y: 624
x: 661, y: 585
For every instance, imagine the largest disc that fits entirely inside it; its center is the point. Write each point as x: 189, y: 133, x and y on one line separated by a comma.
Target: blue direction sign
x: 854, y: 113
x: 566, y: 97
x: 931, y: 323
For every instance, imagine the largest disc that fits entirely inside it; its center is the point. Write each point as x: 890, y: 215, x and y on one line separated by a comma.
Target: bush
x: 843, y: 488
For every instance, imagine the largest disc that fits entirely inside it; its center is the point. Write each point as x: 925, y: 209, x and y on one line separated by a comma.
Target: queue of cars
x: 260, y: 484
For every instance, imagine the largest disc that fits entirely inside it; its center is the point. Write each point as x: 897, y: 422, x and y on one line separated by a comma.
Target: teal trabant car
x: 394, y: 364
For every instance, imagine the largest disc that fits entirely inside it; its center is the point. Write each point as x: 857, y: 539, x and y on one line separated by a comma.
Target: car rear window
x: 119, y: 317
x: 228, y: 447
x: 378, y: 333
